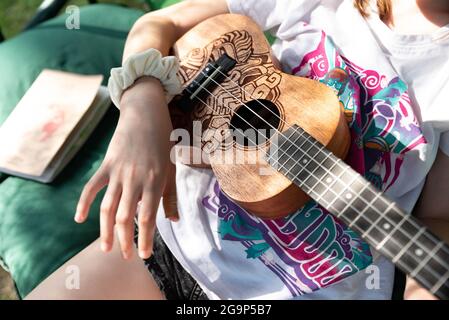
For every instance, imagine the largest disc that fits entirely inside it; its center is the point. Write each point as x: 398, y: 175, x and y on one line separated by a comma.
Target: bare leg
x: 102, y: 276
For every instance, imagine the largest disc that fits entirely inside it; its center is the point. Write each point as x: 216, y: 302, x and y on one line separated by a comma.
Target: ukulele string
x: 281, y: 120
x: 367, y: 235
x: 410, y: 237
x: 288, y: 138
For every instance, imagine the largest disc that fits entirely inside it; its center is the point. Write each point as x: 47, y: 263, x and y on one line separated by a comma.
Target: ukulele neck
x: 348, y: 196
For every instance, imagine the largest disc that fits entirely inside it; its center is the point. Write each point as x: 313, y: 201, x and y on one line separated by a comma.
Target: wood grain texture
x: 307, y: 103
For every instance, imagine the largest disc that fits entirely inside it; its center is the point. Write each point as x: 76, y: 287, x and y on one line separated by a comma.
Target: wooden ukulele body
x: 255, y: 77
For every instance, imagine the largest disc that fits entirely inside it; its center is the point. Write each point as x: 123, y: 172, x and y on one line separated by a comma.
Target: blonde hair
x: 384, y: 7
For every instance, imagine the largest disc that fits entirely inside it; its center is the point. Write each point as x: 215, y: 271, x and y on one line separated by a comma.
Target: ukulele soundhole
x: 254, y: 122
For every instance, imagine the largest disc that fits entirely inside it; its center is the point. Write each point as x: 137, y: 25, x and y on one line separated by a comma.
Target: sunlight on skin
x: 103, y: 276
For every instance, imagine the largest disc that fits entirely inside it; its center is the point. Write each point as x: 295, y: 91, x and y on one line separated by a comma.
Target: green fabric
x: 37, y: 231
x: 158, y: 4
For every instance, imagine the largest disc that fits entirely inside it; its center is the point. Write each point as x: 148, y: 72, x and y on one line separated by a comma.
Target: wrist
x: 145, y: 95
x: 143, y: 64
x: 144, y: 107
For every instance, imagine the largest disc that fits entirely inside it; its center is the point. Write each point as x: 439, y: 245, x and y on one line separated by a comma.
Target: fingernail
x: 144, y: 254
x: 105, y: 247
x: 77, y: 217
x: 126, y: 255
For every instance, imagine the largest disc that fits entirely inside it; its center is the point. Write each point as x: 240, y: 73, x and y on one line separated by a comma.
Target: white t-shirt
x: 395, y: 102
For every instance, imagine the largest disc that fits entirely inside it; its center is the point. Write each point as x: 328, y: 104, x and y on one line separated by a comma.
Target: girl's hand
x: 413, y: 291
x: 136, y: 168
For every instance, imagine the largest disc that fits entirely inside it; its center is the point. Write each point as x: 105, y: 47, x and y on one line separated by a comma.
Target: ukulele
x: 232, y: 85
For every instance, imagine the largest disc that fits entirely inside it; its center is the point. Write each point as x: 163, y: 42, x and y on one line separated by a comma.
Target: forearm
x: 150, y: 31
x: 153, y: 30
x: 432, y: 210
x: 438, y: 226
x: 160, y: 29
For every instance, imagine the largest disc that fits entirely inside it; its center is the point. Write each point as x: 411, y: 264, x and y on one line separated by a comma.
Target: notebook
x: 50, y: 124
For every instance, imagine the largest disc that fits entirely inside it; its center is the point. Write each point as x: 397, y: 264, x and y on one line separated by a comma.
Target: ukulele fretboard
x: 362, y: 207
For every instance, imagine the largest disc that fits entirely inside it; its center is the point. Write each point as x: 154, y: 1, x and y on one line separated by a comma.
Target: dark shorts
x: 173, y: 280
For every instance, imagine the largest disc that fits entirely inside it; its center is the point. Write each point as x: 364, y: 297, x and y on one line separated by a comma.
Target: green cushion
x: 158, y: 4
x: 37, y: 231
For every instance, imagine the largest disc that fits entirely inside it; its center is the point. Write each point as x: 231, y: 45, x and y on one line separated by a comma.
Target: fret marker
x: 329, y: 180
x: 386, y: 226
x: 419, y: 252
x: 348, y: 196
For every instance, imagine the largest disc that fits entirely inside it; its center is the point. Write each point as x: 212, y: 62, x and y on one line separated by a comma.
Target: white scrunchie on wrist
x: 147, y: 63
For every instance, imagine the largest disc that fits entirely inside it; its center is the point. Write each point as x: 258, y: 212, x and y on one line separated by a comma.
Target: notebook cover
x: 44, y: 118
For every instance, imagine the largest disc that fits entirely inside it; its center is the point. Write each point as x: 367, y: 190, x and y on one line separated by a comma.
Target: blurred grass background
x: 14, y: 15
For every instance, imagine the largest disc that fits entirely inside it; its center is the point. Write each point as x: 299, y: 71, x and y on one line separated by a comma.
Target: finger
x: 125, y: 219
x: 108, y: 210
x: 147, y: 222
x: 169, y: 198
x: 90, y: 191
